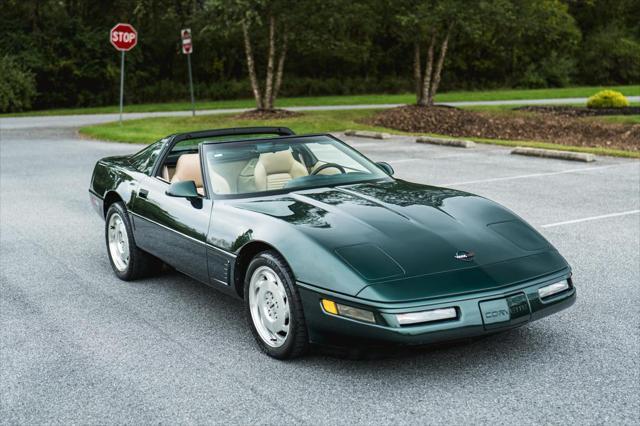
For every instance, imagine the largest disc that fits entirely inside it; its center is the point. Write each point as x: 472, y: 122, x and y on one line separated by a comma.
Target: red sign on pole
x: 187, y: 45
x: 123, y: 37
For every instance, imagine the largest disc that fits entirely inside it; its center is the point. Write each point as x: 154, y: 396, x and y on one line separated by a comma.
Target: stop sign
x: 123, y: 37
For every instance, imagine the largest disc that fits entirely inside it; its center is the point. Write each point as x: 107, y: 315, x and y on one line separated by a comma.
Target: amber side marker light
x: 330, y: 306
x: 334, y: 308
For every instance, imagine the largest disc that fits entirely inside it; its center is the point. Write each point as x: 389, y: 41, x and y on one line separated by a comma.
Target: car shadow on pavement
x: 222, y: 318
x: 504, y: 344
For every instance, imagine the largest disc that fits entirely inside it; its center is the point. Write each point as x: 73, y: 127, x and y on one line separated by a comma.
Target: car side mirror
x: 386, y: 167
x: 183, y: 189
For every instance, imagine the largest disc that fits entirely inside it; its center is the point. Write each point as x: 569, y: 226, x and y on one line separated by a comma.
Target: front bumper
x: 330, y: 329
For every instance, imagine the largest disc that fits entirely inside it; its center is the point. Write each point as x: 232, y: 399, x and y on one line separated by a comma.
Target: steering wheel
x: 329, y: 166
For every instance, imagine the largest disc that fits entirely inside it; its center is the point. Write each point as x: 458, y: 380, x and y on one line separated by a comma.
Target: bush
x: 17, y: 86
x: 607, y: 99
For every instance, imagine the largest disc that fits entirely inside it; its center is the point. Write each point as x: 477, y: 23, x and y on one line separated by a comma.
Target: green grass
x: 487, y: 95
x: 549, y: 145
x: 151, y: 129
x: 624, y: 119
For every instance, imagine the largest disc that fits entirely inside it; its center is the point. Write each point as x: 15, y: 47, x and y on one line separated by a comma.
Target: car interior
x: 236, y: 170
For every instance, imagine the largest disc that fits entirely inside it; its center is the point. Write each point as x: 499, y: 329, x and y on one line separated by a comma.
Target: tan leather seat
x: 188, y: 168
x: 275, y: 169
x: 167, y: 173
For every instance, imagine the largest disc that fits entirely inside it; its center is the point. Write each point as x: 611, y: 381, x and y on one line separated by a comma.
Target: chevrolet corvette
x: 323, y: 245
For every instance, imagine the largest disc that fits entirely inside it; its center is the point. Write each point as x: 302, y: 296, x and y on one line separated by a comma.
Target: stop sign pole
x: 124, y: 38
x: 187, y: 49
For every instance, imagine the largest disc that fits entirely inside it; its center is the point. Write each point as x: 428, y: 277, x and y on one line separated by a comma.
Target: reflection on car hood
x: 409, y: 229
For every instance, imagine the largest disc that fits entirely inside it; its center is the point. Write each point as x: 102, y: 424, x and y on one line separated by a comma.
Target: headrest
x: 277, y: 162
x: 188, y: 168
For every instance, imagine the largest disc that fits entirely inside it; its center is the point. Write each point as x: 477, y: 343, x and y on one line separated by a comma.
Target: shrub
x: 17, y: 86
x: 607, y: 99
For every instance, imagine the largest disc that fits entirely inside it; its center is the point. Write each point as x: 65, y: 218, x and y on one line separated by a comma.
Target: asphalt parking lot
x: 79, y: 346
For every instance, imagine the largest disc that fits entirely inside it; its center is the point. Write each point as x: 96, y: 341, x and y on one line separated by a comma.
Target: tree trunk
x: 417, y: 72
x: 438, y: 71
x: 426, y: 83
x: 268, y: 84
x: 280, y: 70
x: 251, y: 66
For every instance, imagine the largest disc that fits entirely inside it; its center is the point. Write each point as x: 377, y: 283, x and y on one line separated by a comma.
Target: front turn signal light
x: 346, y: 311
x: 330, y: 306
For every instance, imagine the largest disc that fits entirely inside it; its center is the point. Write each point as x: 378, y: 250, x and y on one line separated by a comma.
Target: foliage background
x: 59, y: 55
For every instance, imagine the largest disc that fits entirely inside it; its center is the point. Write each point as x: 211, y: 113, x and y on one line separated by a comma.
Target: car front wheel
x: 273, y: 307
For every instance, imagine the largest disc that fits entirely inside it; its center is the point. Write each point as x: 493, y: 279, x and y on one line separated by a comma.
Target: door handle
x: 142, y: 193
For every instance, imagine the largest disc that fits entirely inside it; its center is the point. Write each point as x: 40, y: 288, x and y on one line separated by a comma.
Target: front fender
x: 231, y: 229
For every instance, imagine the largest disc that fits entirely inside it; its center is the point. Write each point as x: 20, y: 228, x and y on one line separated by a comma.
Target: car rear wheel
x: 273, y: 307
x: 127, y: 260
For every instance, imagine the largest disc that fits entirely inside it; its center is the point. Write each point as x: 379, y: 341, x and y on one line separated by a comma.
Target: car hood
x: 403, y: 235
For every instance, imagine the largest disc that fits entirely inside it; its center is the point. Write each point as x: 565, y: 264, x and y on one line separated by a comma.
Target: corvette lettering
x: 496, y: 314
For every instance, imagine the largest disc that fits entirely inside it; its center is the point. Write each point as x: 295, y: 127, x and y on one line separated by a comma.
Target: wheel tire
x: 296, y: 342
x: 140, y: 263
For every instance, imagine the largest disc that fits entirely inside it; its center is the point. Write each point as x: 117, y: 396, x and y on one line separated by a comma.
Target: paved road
x: 88, y: 119
x: 79, y: 346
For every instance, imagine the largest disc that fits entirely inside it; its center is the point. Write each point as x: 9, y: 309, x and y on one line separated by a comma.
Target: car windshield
x: 261, y: 166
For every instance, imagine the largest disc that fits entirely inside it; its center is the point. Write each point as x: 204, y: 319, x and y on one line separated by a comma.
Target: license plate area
x: 505, y: 311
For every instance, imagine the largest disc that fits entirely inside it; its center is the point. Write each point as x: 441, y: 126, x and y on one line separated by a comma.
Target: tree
x: 329, y: 47
x: 275, y: 26
x: 610, y: 52
x: 252, y: 17
x: 430, y: 24
x: 522, y: 43
x: 17, y: 86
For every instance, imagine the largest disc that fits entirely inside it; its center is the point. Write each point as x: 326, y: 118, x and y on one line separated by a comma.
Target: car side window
x: 168, y: 168
x: 144, y: 160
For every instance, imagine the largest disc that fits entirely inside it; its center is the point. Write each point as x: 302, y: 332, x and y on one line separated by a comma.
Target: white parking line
x: 586, y: 219
x: 360, y: 145
x: 582, y: 169
x: 435, y: 157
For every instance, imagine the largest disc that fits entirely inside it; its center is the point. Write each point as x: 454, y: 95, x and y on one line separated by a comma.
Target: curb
x: 459, y: 143
x: 367, y: 134
x: 552, y: 153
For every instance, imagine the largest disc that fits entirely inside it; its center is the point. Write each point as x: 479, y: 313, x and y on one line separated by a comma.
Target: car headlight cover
x: 552, y: 289
x: 426, y: 316
x: 334, y: 308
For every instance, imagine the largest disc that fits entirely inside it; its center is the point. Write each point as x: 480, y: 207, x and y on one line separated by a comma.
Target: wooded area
x: 57, y: 53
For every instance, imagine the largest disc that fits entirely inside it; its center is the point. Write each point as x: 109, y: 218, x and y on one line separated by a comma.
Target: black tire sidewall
x: 118, y: 208
x: 297, y: 340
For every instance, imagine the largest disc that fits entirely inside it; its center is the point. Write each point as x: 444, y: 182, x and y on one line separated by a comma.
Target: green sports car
x: 323, y: 245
